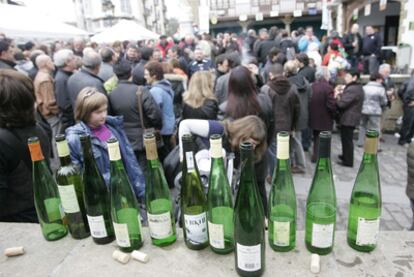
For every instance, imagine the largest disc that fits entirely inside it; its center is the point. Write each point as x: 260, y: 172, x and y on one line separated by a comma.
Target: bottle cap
x: 150, y: 146
x: 325, y: 144
x: 113, y: 149
x: 121, y: 256
x: 140, y: 256
x: 14, y: 251
x: 215, y: 146
x: 315, y: 265
x: 371, y: 142
x: 282, y: 146
x: 35, y: 150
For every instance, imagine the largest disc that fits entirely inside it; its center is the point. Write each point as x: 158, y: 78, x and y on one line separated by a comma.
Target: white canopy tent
x: 24, y: 23
x: 124, y: 30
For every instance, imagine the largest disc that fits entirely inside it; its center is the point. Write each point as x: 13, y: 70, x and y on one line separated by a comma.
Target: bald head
x: 44, y: 62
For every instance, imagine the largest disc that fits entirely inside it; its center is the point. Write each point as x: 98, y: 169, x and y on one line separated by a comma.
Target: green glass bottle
x: 219, y: 202
x: 124, y: 206
x: 249, y: 219
x: 282, y: 200
x: 365, y: 206
x: 193, y: 200
x: 160, y: 210
x: 46, y: 197
x: 96, y: 197
x: 70, y: 188
x: 321, y: 202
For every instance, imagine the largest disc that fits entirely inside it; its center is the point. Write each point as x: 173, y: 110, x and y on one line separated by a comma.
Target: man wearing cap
x: 164, y: 45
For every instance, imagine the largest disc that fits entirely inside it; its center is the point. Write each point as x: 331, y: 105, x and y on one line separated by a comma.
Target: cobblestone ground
x: 396, y: 211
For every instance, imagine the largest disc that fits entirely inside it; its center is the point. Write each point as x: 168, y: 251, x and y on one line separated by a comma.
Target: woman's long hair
x: 199, y: 89
x: 242, y: 95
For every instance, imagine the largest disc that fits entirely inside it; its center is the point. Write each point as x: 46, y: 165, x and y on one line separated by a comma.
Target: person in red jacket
x: 164, y: 45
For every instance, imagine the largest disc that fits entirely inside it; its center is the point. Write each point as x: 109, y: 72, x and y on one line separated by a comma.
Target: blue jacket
x: 304, y: 43
x: 164, y: 95
x: 100, y: 152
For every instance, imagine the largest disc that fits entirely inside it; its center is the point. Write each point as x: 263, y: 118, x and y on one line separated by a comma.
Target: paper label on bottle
x: 190, y: 160
x: 367, y: 232
x: 97, y: 226
x: 196, y: 228
x: 69, y: 200
x: 322, y: 235
x: 121, y: 234
x: 113, y: 151
x: 53, y: 209
x: 160, y: 225
x: 249, y: 257
x: 216, y: 235
x: 281, y: 233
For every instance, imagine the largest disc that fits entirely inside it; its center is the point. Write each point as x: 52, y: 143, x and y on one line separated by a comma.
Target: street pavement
x: 396, y: 211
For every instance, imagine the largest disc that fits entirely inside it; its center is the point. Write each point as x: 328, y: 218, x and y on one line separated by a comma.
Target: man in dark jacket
x: 138, y: 70
x: 7, y: 54
x: 353, y: 45
x: 406, y: 93
x: 350, y: 106
x: 371, y: 49
x: 65, y: 61
x: 124, y: 101
x: 199, y: 63
x: 286, y: 107
x: 86, y: 77
x: 304, y: 69
x: 263, y: 49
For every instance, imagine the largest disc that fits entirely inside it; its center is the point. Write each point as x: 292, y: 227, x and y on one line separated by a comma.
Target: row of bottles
x: 207, y: 220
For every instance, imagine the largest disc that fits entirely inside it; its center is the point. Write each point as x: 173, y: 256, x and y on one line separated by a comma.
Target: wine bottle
x: 321, y: 202
x: 46, y: 197
x: 219, y: 202
x: 70, y: 188
x: 96, y: 197
x: 125, y: 210
x: 157, y: 198
x: 282, y: 200
x: 193, y: 200
x: 249, y: 219
x: 365, y: 206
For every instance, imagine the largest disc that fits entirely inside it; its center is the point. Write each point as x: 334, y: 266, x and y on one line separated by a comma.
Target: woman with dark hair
x: 17, y: 124
x: 243, y: 100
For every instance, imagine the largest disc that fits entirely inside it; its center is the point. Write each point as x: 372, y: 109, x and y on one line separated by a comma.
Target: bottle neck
x: 151, y: 149
x: 63, y: 152
x: 88, y: 158
x: 247, y: 162
x: 189, y: 157
x: 283, y: 164
x: 370, y: 150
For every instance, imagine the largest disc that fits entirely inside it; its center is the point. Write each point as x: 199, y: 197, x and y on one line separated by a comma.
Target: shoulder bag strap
x: 141, y: 114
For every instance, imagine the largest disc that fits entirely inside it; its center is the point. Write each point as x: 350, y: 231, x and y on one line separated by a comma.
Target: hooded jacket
x: 100, y: 152
x: 285, y: 103
x: 164, y: 96
x: 304, y: 91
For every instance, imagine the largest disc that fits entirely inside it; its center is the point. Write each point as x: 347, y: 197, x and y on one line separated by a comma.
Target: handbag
x: 158, y: 137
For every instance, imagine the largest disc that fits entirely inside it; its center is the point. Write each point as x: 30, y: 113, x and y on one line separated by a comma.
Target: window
x: 125, y: 6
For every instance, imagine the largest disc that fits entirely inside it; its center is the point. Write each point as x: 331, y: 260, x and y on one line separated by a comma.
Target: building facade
x: 96, y: 15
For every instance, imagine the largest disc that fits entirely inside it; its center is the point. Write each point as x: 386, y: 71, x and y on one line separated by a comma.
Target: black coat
x: 82, y: 79
x: 322, y: 106
x: 350, y: 104
x: 208, y: 110
x: 138, y: 73
x: 7, y: 65
x: 308, y: 72
x: 263, y: 49
x: 63, y: 98
x: 16, y: 185
x: 349, y: 48
x: 124, y: 102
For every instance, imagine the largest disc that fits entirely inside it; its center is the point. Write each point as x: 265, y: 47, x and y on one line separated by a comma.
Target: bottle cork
x: 315, y: 265
x: 121, y: 256
x: 140, y: 256
x: 14, y: 251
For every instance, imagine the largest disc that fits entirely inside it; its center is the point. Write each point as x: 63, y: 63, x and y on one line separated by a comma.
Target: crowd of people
x: 245, y: 87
